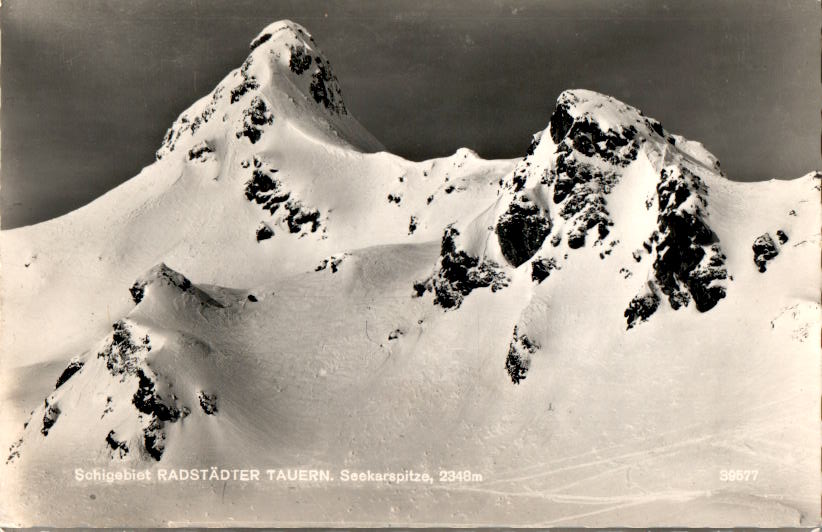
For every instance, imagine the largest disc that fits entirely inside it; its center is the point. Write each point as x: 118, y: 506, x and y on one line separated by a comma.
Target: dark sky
x: 89, y: 87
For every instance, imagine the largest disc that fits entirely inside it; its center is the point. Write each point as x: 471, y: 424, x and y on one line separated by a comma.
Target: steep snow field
x: 605, y: 330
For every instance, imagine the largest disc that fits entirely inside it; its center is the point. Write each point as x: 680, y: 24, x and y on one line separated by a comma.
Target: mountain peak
x: 285, y: 79
x: 284, y: 47
x: 286, y: 27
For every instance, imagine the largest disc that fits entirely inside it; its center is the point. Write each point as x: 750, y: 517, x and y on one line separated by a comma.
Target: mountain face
x: 598, y: 329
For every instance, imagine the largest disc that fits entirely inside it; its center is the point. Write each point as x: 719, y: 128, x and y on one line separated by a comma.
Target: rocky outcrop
x: 74, y: 366
x: 117, y: 448
x: 266, y: 190
x: 325, y: 89
x: 642, y: 306
x: 518, y: 360
x: 579, y: 191
x: 561, y: 122
x: 208, y: 403
x: 689, y: 262
x: 587, y: 165
x: 265, y: 37
x: 137, y: 291
x: 156, y: 414
x: 542, y: 268
x: 300, y: 60
x: 189, y: 122
x: 573, y: 125
x: 459, y: 273
x: 123, y: 353
x: 300, y: 215
x: 765, y: 249
x: 412, y: 225
x: 333, y: 262
x: 200, y: 152
x: 255, y: 118
x: 264, y: 232
x: 14, y: 451
x: 52, y: 412
x: 521, y: 230
x: 165, y: 276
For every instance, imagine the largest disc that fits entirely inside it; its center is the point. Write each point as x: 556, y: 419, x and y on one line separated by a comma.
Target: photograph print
x: 410, y: 263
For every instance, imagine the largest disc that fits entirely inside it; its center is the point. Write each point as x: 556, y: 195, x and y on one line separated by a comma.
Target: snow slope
x: 589, y: 328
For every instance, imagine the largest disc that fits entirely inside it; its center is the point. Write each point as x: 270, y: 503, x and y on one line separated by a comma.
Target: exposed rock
x: 122, y: 354
x: 74, y: 366
x: 583, y: 134
x: 580, y: 190
x: 109, y: 407
x: 255, y: 117
x: 137, y: 290
x: 689, y: 261
x: 147, y: 401
x: 588, y: 164
x: 412, y: 225
x: 534, y: 143
x: 459, y: 274
x: 561, y: 122
x: 117, y: 449
x: 166, y: 276
x: 300, y: 60
x: 14, y: 451
x: 325, y: 89
x: 154, y: 438
x: 185, y: 124
x: 521, y: 230
x: 764, y: 249
x: 298, y: 216
x: 52, y: 412
x: 266, y: 190
x: 157, y: 412
x: 200, y: 151
x: 658, y: 129
x: 541, y: 269
x: 208, y: 403
x: 259, y: 40
x: 782, y: 236
x: 264, y: 232
x: 518, y: 360
x: 642, y: 306
x: 590, y: 140
x: 333, y: 261
x: 243, y: 88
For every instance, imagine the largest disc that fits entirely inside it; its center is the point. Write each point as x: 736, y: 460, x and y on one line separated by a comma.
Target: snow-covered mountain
x: 599, y: 329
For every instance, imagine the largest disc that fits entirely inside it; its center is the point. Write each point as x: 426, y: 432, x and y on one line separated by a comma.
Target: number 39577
x: 738, y: 475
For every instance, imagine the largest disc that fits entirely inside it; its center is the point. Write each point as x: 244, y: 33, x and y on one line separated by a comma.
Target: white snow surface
x: 318, y: 354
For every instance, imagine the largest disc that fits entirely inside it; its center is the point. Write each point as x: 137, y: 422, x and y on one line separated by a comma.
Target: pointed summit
x: 285, y: 80
x: 286, y: 48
